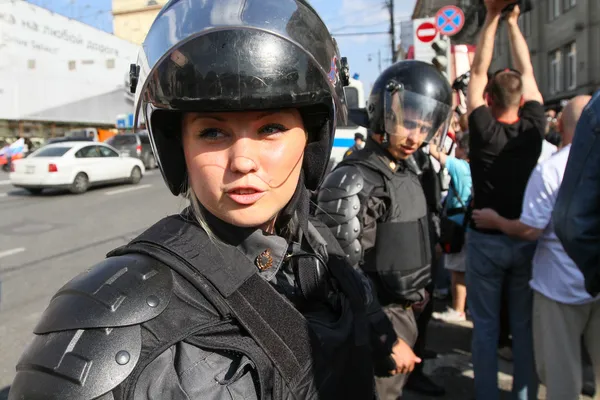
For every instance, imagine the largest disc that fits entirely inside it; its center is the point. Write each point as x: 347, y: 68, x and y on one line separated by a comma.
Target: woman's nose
x: 244, y: 155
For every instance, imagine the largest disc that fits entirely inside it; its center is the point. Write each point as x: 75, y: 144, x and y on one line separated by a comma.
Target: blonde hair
x: 197, y: 212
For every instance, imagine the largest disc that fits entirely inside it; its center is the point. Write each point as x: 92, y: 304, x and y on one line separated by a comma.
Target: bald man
x: 563, y: 311
x: 576, y: 216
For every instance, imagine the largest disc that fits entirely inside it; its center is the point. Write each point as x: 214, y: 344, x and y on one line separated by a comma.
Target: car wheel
x: 151, y: 162
x: 34, y: 191
x: 136, y: 176
x: 80, y: 184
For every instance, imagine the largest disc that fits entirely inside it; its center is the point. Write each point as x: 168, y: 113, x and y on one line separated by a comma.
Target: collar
x: 389, y: 165
x: 265, y: 251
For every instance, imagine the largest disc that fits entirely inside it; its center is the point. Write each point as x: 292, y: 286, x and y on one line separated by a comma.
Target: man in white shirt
x: 563, y: 311
x: 548, y: 150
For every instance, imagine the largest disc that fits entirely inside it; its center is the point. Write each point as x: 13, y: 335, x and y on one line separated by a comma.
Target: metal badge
x: 264, y: 261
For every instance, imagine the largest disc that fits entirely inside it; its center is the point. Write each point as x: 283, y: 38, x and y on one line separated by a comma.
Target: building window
x: 525, y: 23
x: 554, y: 75
x: 568, y: 4
x: 571, y: 66
x: 553, y: 9
x: 72, y: 65
x: 31, y: 64
x: 110, y: 63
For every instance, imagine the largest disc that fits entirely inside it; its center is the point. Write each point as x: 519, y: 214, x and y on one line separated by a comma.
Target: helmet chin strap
x: 385, y: 140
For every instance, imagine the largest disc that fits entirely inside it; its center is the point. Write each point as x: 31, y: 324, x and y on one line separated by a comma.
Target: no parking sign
x: 449, y: 20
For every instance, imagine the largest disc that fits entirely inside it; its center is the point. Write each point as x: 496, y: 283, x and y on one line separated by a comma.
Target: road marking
x: 3, y: 194
x: 131, y: 189
x: 11, y: 252
x: 5, y: 182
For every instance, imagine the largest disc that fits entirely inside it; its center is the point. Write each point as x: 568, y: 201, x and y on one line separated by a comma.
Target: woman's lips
x: 245, y: 196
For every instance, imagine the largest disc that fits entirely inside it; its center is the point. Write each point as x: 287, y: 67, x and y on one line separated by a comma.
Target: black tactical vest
x: 400, y: 263
x: 297, y: 356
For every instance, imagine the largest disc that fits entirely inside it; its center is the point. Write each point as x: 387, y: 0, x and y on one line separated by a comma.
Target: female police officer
x: 240, y: 296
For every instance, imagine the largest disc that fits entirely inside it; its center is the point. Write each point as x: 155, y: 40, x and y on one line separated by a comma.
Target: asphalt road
x: 46, y: 240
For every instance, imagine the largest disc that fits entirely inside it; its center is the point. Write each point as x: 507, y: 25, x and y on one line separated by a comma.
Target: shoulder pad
x: 342, y: 182
x: 339, y: 206
x: 119, y: 291
x: 77, y: 364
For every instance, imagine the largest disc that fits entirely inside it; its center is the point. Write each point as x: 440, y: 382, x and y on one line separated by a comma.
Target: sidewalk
x: 453, y: 370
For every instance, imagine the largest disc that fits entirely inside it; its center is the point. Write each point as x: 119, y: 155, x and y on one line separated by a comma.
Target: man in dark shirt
x: 506, y: 124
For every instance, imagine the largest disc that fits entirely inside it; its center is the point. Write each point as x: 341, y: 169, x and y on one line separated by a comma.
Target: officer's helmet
x: 233, y: 55
x: 409, y: 95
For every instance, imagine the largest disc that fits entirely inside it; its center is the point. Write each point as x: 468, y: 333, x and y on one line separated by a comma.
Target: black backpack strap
x: 226, y: 277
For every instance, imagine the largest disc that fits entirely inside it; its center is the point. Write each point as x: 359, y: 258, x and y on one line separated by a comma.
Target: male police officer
x: 359, y: 144
x: 373, y: 200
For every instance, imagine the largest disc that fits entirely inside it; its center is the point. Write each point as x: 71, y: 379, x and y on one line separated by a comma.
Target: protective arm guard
x: 339, y: 207
x: 89, y: 339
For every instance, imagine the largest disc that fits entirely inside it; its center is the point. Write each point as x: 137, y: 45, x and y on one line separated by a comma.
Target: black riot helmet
x: 238, y: 55
x: 408, y: 95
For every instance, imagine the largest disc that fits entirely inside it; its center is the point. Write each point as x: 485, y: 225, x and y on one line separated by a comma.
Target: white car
x: 75, y: 166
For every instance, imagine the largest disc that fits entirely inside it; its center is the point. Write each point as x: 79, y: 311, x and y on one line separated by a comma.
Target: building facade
x: 132, y: 18
x: 50, y: 65
x: 563, y: 38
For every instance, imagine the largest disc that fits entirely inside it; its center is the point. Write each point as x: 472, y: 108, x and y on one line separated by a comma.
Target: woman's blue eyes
x: 212, y: 134
x: 215, y: 134
x: 272, y: 128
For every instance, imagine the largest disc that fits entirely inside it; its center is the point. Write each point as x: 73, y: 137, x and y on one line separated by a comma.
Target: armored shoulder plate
x: 339, y: 206
x: 119, y: 291
x: 79, y: 364
x: 89, y: 338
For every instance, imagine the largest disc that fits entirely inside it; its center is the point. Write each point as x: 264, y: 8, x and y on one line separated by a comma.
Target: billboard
x: 48, y: 60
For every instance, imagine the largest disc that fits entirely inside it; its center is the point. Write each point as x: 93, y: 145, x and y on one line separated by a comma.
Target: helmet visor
x: 411, y: 114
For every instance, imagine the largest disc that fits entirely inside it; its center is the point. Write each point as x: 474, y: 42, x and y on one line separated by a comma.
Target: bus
x: 344, y: 133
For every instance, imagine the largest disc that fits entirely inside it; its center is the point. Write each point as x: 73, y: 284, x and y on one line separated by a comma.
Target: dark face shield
x: 409, y: 114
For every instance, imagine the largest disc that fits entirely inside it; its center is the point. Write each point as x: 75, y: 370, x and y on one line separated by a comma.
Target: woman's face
x: 244, y: 166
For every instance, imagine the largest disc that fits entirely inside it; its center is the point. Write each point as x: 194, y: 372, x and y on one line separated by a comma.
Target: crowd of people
x: 524, y: 291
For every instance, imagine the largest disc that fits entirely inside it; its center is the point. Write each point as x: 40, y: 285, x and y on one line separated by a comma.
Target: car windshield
x: 122, y: 140
x: 51, y: 152
x: 77, y: 134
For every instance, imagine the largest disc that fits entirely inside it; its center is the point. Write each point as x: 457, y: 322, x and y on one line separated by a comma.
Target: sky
x: 340, y: 16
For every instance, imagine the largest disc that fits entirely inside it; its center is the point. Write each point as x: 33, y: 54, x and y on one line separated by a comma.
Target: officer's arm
x: 344, y: 205
x: 89, y: 339
x: 354, y: 225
